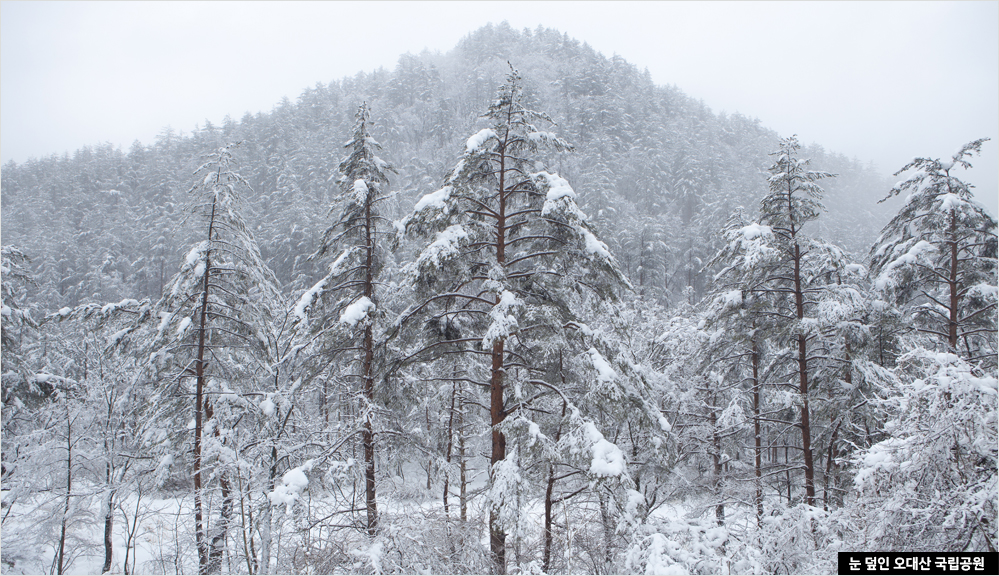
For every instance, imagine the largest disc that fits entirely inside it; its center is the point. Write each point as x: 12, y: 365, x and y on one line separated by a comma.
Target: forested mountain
x: 411, y: 322
x: 657, y: 170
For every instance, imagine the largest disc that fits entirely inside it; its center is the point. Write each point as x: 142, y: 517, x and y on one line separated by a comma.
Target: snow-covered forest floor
x: 156, y: 533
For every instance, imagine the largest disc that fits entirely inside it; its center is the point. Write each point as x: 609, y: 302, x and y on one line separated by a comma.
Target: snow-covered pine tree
x: 931, y: 483
x: 16, y: 323
x: 740, y: 320
x: 774, y: 259
x: 347, y: 296
x: 209, y: 327
x: 511, y: 253
x: 792, y: 202
x: 937, y: 257
x: 932, y: 479
x: 855, y: 328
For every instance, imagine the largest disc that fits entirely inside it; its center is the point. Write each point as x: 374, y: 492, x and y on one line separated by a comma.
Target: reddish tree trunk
x: 806, y: 430
x: 368, y: 435
x: 199, y: 371
x: 497, y: 536
x: 756, y: 431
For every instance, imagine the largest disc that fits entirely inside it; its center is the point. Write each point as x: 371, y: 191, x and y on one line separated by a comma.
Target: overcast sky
x: 881, y: 82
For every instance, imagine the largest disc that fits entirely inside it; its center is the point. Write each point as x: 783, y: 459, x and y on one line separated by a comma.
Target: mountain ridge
x: 657, y: 169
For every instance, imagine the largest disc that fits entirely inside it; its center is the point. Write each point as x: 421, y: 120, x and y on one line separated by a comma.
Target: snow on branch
x: 444, y: 247
x: 436, y: 199
x: 504, y: 323
x: 475, y: 141
x: 912, y: 256
x: 608, y: 460
x: 357, y: 311
x: 291, y: 486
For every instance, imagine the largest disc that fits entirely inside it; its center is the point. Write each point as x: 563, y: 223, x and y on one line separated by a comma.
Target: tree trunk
x: 806, y: 430
x: 716, y: 460
x: 367, y: 434
x: 109, y: 451
x: 430, y: 461
x: 787, y: 466
x: 462, y: 469
x: 607, y: 523
x: 368, y: 437
x: 131, y: 529
x: 830, y: 463
x: 546, y: 561
x: 952, y: 284
x: 246, y: 523
x: 831, y: 458
x: 450, y: 444
x: 217, y: 544
x: 199, y: 371
x: 550, y: 487
x: 497, y: 536
x: 758, y: 448
x: 222, y: 530
x: 61, y: 556
x: 265, y: 520
x: 108, y: 528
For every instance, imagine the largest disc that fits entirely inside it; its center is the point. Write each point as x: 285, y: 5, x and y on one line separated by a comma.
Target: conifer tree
x: 511, y: 255
x: 16, y: 322
x: 348, y: 293
x: 937, y: 257
x: 774, y: 259
x: 209, y: 328
x: 931, y: 482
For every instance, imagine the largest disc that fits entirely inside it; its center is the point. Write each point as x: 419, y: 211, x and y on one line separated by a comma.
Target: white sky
x: 881, y: 82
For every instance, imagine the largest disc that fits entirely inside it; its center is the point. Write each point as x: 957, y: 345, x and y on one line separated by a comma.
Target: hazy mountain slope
x: 657, y: 170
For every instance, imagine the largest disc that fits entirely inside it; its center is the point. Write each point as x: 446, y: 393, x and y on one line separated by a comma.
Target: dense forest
x: 509, y: 309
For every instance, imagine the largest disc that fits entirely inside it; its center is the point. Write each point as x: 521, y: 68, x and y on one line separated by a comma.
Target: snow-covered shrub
x: 690, y: 547
x: 931, y: 484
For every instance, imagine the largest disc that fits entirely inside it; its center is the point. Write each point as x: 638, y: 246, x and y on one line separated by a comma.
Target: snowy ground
x: 162, y: 537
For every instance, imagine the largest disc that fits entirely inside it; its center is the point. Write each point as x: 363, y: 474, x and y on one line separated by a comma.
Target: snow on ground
x: 163, y: 542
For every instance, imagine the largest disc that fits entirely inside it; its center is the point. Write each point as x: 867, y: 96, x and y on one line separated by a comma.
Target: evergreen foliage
x: 937, y: 257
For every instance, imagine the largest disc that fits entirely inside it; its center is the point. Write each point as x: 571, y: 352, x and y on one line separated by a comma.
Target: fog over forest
x: 511, y: 308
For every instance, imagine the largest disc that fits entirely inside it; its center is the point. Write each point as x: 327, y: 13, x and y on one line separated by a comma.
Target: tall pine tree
x: 348, y: 293
x: 511, y: 255
x: 938, y: 257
